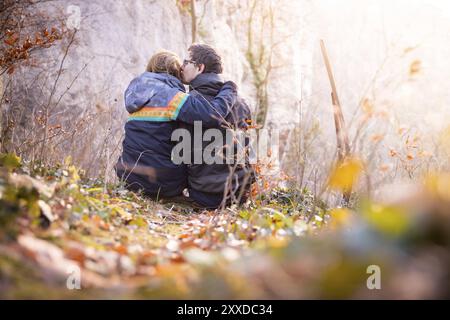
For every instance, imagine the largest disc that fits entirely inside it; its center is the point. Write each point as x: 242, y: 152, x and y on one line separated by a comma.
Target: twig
x: 53, y: 92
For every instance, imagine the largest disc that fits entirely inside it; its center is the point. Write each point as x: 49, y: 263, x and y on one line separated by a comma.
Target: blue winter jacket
x: 156, y: 103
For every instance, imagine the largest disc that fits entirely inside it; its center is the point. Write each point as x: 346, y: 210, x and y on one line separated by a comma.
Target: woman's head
x: 165, y: 62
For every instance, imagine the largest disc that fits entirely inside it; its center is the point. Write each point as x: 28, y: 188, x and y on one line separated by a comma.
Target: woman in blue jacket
x: 156, y: 102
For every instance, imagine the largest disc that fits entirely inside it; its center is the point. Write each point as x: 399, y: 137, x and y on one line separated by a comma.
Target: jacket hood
x: 166, y: 78
x: 149, y: 87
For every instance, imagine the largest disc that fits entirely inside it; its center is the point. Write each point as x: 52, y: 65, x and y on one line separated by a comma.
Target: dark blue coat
x: 207, y: 182
x: 156, y: 103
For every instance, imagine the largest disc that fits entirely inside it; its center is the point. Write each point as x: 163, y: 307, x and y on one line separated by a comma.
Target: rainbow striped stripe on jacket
x: 155, y: 97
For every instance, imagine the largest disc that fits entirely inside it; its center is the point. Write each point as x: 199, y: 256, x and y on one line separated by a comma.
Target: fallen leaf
x: 415, y: 67
x: 345, y: 174
x: 22, y: 180
x: 46, y: 212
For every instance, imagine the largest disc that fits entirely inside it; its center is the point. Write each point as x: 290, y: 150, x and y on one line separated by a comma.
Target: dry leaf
x: 415, y: 67
x: 345, y: 174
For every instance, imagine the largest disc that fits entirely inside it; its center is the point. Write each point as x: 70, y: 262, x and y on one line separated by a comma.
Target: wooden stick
x: 341, y: 133
x: 343, y: 144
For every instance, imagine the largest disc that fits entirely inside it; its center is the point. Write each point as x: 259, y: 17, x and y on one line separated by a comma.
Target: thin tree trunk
x: 194, y: 21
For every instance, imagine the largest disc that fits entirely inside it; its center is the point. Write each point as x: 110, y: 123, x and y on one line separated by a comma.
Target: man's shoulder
x: 242, y: 105
x: 202, y: 94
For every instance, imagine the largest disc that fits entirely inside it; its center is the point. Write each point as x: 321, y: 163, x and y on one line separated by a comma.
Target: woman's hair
x: 165, y: 62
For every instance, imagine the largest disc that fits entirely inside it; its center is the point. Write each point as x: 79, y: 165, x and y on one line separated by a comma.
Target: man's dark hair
x: 207, y: 55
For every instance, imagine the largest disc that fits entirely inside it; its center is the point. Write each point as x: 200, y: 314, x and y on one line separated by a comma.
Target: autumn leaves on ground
x: 63, y: 236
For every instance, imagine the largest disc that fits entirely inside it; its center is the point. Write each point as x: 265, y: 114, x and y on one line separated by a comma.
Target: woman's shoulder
x: 163, y: 80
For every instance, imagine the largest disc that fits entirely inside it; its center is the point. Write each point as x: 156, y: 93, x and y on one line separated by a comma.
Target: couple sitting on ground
x: 158, y: 105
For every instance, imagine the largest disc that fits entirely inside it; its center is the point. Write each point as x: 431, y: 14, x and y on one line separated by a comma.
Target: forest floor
x: 63, y: 236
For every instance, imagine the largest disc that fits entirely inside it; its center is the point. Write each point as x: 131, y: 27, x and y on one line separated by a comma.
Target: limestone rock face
x: 112, y: 45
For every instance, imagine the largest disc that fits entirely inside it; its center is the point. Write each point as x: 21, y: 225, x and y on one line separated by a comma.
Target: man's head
x: 202, y: 59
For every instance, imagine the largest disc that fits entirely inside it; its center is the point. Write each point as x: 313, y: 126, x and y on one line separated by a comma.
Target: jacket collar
x: 207, y: 83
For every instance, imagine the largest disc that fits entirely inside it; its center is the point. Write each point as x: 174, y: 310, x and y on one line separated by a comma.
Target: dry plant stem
x: 47, y: 107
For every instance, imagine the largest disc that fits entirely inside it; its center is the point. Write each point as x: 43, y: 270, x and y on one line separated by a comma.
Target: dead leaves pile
x: 284, y: 244
x: 119, y: 239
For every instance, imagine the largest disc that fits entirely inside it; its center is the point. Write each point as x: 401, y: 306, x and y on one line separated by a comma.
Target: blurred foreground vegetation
x: 55, y: 224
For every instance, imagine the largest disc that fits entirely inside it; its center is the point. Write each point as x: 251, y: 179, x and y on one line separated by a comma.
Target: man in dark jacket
x: 211, y: 185
x: 157, y: 103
